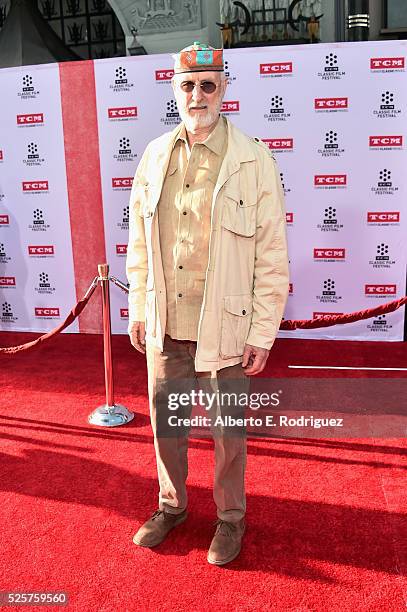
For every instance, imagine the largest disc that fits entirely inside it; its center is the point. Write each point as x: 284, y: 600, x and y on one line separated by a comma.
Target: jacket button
x: 185, y: 212
x: 241, y: 202
x: 179, y: 294
x: 243, y: 312
x: 180, y: 267
x: 187, y: 185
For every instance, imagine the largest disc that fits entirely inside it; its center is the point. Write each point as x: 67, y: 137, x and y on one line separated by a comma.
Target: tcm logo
x: 330, y: 179
x: 1, y: 155
x: 121, y: 249
x: 276, y: 68
x: 232, y: 106
x: 4, y: 220
x: 289, y: 217
x: 385, y: 141
x: 290, y: 288
x: 383, y: 217
x: 126, y: 111
x: 35, y: 185
x: 380, y: 63
x: 7, y: 281
x: 329, y: 103
x: 124, y: 313
x: 30, y: 119
x: 279, y: 143
x: 47, y: 312
x: 164, y: 75
x: 122, y: 182
x: 380, y: 289
x: 324, y: 315
x: 41, y: 250
x: 329, y: 253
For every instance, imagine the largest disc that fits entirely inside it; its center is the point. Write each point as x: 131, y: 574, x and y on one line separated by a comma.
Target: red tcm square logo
x: 276, y: 68
x: 383, y: 217
x: 231, y: 106
x: 121, y: 249
x: 324, y: 315
x: 385, y: 141
x: 4, y: 220
x: 35, y: 185
x: 380, y: 289
x: 380, y: 63
x: 289, y: 217
x: 1, y: 155
x: 125, y: 111
x: 124, y: 313
x: 30, y: 119
x: 164, y: 75
x: 329, y: 253
x: 290, y: 288
x: 330, y: 179
x: 7, y: 281
x: 47, y: 312
x: 279, y: 143
x: 120, y: 182
x: 329, y: 103
x: 41, y: 250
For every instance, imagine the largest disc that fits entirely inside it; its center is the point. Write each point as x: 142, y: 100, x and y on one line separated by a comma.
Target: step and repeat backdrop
x: 334, y: 117
x: 37, y: 283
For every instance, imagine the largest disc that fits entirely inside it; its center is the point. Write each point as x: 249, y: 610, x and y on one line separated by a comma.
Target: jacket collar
x: 238, y: 151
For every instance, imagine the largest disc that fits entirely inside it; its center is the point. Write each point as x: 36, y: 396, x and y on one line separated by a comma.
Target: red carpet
x: 326, y: 526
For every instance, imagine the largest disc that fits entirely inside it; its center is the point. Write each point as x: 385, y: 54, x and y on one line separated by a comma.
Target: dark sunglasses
x: 207, y: 87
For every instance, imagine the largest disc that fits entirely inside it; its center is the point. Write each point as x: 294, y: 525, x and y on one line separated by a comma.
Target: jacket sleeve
x: 270, y: 283
x: 136, y: 261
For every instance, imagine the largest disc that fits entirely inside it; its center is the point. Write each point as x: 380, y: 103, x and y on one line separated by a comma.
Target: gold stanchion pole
x: 110, y: 414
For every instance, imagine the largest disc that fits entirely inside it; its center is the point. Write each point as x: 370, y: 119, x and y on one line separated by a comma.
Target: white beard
x: 199, y: 121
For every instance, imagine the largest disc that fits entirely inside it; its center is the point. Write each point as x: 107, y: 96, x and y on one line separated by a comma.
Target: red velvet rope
x: 350, y: 317
x: 323, y: 321
x: 75, y: 312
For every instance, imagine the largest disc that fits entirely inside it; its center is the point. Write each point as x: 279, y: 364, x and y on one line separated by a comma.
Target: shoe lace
x: 225, y: 528
x: 156, y: 514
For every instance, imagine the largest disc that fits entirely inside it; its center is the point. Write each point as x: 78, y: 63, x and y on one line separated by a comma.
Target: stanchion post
x: 103, y: 270
x: 110, y: 414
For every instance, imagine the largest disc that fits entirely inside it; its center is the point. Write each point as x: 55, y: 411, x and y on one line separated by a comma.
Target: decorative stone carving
x: 156, y: 16
x: 229, y: 11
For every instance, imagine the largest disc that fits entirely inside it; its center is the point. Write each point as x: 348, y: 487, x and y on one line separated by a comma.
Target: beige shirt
x: 184, y: 212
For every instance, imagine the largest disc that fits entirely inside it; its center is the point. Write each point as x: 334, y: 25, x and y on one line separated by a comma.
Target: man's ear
x: 224, y: 86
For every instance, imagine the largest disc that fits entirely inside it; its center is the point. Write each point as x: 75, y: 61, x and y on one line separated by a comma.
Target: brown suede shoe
x: 156, y: 529
x: 226, y: 543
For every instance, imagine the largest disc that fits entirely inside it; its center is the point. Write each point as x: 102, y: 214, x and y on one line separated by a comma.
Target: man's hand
x: 137, y: 333
x: 254, y: 359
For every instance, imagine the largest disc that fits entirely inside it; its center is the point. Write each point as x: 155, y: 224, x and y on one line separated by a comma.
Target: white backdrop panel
x: 334, y: 116
x: 37, y: 284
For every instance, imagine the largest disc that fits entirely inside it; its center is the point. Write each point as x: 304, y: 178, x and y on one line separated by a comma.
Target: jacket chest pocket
x: 239, y: 214
x: 236, y: 320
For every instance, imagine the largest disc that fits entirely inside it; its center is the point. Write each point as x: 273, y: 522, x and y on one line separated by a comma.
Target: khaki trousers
x: 177, y: 361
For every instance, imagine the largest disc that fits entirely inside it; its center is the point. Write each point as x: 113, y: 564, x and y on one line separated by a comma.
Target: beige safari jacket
x: 246, y: 284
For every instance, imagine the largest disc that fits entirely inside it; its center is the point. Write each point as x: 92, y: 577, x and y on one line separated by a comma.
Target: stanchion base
x: 110, y: 416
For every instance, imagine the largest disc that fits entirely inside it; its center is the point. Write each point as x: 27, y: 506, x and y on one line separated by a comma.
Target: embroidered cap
x: 198, y: 58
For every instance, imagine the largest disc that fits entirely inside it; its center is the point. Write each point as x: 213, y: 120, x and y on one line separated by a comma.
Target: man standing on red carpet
x: 208, y: 272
